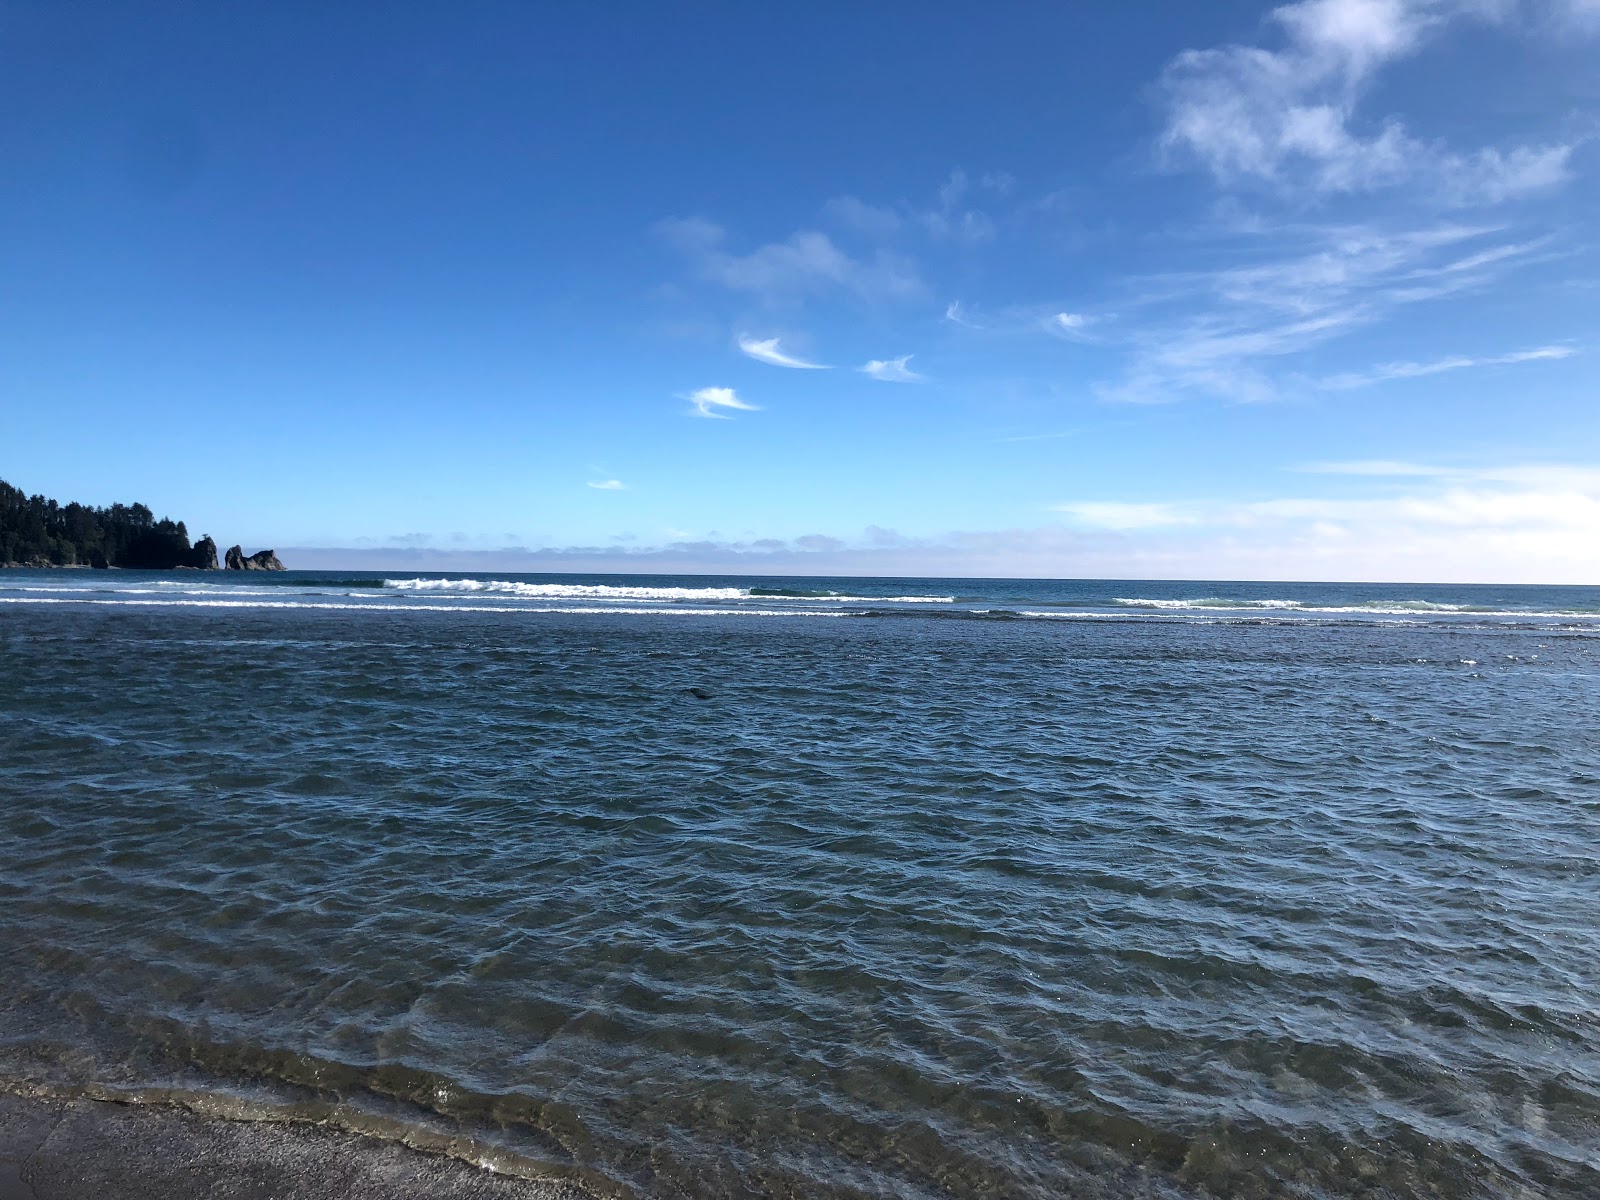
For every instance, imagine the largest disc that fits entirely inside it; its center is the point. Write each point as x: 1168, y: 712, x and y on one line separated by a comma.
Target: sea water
x: 821, y: 887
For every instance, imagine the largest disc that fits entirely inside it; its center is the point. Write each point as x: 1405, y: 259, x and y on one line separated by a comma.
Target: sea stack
x: 261, y: 560
x: 204, y: 555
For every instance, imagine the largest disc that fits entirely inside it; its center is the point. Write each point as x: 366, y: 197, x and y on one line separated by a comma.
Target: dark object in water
x: 698, y: 693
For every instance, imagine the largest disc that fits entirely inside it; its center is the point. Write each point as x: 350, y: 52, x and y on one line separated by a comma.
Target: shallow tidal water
x: 1199, y: 893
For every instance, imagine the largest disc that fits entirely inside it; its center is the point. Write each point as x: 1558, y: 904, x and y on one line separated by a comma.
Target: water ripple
x: 906, y: 908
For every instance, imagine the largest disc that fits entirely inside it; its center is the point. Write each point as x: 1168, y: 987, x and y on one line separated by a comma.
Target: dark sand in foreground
x: 83, y: 1149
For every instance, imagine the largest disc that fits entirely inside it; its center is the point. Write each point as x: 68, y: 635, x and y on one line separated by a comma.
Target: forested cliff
x: 38, y: 532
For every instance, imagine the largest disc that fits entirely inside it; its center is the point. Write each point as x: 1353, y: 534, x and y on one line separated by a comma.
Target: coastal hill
x: 39, y: 532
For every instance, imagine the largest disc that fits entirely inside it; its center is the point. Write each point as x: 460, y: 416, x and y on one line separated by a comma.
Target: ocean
x: 728, y: 887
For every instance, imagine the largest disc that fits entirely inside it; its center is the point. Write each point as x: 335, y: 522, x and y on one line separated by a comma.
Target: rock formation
x: 261, y: 560
x: 204, y: 554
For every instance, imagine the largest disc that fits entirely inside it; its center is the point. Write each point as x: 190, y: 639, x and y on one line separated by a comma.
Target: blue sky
x: 1219, y: 290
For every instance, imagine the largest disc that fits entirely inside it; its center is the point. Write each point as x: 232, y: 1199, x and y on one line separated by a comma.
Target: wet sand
x: 94, y: 1150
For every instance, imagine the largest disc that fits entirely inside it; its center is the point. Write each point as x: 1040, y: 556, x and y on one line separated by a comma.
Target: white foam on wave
x: 564, y: 591
x: 1373, y: 608
x: 173, y: 589
x: 453, y: 608
x: 1075, y: 616
x: 1210, y: 602
x: 632, y: 594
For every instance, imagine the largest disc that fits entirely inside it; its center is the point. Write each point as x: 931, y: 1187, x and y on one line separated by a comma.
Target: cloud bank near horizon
x: 1411, y: 523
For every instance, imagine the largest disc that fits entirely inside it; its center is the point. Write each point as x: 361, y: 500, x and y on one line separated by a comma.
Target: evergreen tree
x: 35, y: 531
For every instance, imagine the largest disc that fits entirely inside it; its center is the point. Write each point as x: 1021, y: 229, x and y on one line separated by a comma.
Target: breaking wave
x: 564, y: 591
x: 629, y: 594
x: 1374, y: 608
x: 761, y: 593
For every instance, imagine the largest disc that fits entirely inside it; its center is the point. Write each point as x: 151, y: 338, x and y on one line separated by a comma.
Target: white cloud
x: 1288, y: 117
x: 955, y: 313
x: 608, y: 485
x: 1108, y: 514
x: 1227, y: 333
x: 1385, y: 372
x: 950, y: 221
x: 767, y: 350
x: 868, y: 219
x: 893, y: 370
x: 1538, y: 523
x: 807, y: 263
x: 1071, y: 325
x: 1515, y: 524
x: 950, y: 218
x: 1490, y: 175
x: 1531, y: 498
x: 1582, y: 16
x: 1023, y: 320
x: 707, y: 399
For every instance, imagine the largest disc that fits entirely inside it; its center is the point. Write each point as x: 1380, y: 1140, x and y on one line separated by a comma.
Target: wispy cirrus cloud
x: 1024, y: 319
x: 806, y: 263
x: 768, y: 350
x: 608, y: 485
x: 1232, y: 333
x: 1385, y: 372
x: 957, y: 314
x: 871, y: 220
x: 952, y: 217
x: 707, y: 401
x: 893, y: 370
x: 1287, y: 116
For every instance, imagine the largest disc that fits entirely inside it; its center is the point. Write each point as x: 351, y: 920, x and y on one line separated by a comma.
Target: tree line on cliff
x: 39, y: 532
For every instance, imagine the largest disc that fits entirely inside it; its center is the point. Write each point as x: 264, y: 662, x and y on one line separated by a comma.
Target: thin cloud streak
x: 1385, y: 372
x: 608, y: 485
x: 706, y: 399
x: 768, y: 350
x: 1227, y: 333
x: 957, y: 315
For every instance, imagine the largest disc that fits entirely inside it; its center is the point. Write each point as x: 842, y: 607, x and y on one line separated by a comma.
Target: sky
x: 1169, y: 290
